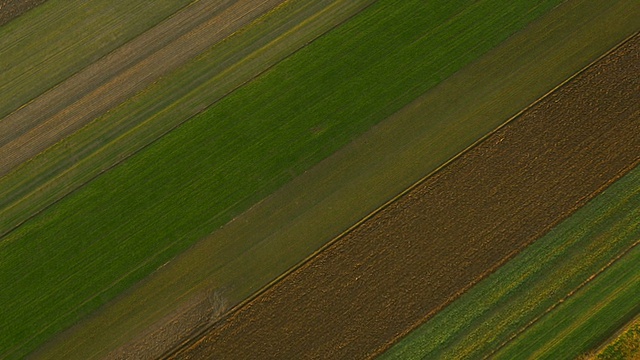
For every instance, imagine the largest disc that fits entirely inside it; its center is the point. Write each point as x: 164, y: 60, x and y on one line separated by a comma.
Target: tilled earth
x: 410, y: 259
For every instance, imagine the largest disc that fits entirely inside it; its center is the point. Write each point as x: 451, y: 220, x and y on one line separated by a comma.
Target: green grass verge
x: 292, y: 223
x: 56, y: 39
x: 101, y: 239
x: 521, y: 291
x: 625, y: 346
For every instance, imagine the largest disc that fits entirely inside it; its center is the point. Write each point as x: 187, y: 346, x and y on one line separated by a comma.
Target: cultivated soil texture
x: 11, y: 9
x: 114, y: 78
x: 405, y: 262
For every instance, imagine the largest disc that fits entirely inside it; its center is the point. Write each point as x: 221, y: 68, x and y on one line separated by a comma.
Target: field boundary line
x: 606, y: 342
x: 93, y: 297
x: 570, y: 294
x: 162, y: 135
x: 337, y: 238
x: 123, y: 76
x: 505, y: 260
x: 101, y: 58
x: 582, y: 201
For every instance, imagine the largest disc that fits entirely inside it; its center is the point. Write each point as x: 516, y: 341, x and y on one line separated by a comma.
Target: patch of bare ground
x: 410, y: 259
x: 11, y: 9
x: 111, y: 80
x: 197, y: 313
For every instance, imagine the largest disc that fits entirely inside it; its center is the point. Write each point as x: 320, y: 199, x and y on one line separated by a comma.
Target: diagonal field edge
x: 331, y: 243
x: 105, y: 85
x: 123, y: 159
x: 513, y: 110
x: 6, y: 14
x: 541, y: 275
x: 615, y: 336
x: 582, y: 285
x: 415, y: 176
x: 99, y: 58
x: 584, y: 59
x: 124, y: 63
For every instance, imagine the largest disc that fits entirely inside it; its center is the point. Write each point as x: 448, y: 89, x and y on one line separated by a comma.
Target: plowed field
x: 408, y: 260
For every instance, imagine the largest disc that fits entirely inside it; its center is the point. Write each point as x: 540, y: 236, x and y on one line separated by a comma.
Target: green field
x: 98, y: 241
x: 362, y: 176
x: 538, y: 287
x: 56, y: 39
x: 585, y: 320
x: 164, y: 105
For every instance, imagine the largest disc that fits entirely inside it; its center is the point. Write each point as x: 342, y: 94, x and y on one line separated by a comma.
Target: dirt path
x: 114, y: 78
x: 11, y: 9
x: 407, y: 261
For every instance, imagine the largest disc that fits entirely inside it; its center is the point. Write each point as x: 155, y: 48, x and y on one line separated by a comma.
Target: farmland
x: 55, y: 40
x: 536, y: 282
x: 109, y: 81
x: 411, y: 258
x: 625, y: 346
x: 290, y: 99
x: 209, y: 174
x: 587, y: 318
x: 489, y: 86
x: 11, y: 9
x: 163, y: 106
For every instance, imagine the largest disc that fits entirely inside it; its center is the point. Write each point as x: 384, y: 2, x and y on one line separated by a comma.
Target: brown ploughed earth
x: 114, y: 78
x: 414, y: 256
x: 11, y: 9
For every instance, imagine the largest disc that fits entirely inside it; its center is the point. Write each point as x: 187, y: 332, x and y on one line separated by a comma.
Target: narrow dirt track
x: 410, y: 259
x: 119, y: 75
x: 11, y: 9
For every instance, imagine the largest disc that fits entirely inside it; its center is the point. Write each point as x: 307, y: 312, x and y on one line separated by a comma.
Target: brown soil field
x: 119, y: 75
x: 415, y: 255
x: 11, y: 9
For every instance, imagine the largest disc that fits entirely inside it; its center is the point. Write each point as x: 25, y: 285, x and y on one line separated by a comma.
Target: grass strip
x: 100, y: 240
x: 586, y: 319
x: 366, y: 173
x: 540, y: 278
x: 54, y: 40
x: 166, y: 104
x: 109, y: 81
x: 405, y: 262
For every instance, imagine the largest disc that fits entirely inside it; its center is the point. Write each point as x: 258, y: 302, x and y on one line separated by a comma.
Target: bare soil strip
x: 114, y: 78
x: 411, y: 258
x: 11, y: 9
